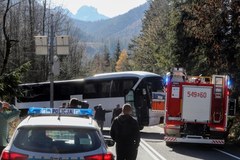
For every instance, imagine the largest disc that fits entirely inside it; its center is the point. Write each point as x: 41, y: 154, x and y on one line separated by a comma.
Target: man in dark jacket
x: 73, y: 103
x: 125, y: 132
x: 116, y: 112
x: 100, y: 115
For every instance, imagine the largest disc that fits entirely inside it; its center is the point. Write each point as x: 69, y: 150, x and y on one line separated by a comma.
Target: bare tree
x: 9, y: 42
x: 21, y: 24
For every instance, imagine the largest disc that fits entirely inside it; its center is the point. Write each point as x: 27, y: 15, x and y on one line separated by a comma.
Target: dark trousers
x: 126, y: 152
x: 100, y: 124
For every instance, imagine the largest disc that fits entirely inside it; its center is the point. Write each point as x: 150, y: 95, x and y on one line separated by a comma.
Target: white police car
x: 57, y: 134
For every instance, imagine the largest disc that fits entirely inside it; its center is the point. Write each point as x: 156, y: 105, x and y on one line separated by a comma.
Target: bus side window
x: 121, y: 87
x: 89, y: 90
x: 114, y: 89
x: 104, y: 89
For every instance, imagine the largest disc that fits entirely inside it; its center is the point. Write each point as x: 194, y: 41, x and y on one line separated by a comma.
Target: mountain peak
x: 87, y: 9
x: 89, y: 13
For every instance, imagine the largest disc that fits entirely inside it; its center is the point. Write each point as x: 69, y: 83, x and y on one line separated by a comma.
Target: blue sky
x: 110, y: 8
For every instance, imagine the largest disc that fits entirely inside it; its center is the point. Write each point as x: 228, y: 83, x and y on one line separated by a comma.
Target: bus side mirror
x: 8, y: 139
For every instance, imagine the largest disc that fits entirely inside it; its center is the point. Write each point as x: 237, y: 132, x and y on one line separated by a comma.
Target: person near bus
x: 64, y: 105
x: 73, y: 103
x: 84, y: 105
x: 100, y: 115
x: 116, y: 112
x: 125, y: 132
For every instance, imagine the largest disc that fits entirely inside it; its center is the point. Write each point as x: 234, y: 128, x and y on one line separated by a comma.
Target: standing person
x: 100, y: 115
x: 73, y: 103
x: 64, y: 105
x: 116, y: 112
x: 125, y: 132
x: 84, y: 105
x: 10, y: 117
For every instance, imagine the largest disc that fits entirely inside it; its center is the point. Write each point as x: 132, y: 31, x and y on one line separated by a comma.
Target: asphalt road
x: 152, y: 147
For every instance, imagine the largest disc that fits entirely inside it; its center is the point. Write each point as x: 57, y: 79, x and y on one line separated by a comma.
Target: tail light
x: 6, y: 155
x: 107, y: 156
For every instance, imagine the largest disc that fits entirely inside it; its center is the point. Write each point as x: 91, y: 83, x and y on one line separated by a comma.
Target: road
x: 152, y: 147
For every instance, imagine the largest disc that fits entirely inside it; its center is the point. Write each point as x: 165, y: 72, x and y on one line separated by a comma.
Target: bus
x: 143, y: 90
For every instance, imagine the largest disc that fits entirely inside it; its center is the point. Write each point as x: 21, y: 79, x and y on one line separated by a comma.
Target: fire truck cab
x: 196, y: 108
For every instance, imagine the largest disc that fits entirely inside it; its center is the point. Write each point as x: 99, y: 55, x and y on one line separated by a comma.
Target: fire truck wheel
x: 169, y: 144
x: 217, y: 135
x: 161, y: 120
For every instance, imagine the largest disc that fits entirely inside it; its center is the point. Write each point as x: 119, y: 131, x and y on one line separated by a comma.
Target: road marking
x: 152, y: 152
x: 152, y: 140
x: 149, y: 152
x: 227, y: 153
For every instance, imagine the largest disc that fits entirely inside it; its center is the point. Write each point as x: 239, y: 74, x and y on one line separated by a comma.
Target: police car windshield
x: 55, y: 140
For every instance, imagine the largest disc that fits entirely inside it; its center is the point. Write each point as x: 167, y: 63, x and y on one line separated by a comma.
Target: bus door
x: 141, y: 103
x: 137, y: 101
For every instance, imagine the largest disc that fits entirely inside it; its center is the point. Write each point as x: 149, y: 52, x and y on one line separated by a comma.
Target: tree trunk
x: 8, y: 41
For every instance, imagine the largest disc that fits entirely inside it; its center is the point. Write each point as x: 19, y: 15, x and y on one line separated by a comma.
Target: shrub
x: 234, y: 129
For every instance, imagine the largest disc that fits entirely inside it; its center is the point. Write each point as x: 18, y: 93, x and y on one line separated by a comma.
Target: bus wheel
x: 170, y: 144
x: 161, y: 120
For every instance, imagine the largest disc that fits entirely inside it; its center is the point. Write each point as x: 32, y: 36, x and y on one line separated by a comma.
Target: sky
x: 109, y: 8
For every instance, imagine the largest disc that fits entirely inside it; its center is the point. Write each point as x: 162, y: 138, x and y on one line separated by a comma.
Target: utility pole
x: 51, y: 55
x: 45, y: 48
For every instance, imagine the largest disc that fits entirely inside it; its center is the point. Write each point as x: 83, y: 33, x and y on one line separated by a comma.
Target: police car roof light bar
x: 60, y: 111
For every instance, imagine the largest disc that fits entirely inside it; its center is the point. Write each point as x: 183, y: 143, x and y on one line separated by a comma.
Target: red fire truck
x: 196, y: 108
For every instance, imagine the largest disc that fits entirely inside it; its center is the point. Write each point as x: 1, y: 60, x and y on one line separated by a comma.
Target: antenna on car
x: 59, y: 114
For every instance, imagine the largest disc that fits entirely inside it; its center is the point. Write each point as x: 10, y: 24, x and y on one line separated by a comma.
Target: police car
x: 58, y: 134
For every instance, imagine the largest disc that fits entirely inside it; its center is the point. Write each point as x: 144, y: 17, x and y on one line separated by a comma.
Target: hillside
x: 123, y: 28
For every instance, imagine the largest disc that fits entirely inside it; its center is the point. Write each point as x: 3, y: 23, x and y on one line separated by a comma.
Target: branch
x: 13, y: 40
x: 4, y: 20
x: 8, y: 7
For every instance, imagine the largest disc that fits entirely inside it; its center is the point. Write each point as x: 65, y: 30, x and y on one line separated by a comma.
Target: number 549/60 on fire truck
x: 196, y: 108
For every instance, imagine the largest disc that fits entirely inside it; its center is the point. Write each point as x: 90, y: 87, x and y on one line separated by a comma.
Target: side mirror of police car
x: 8, y: 139
x: 109, y: 141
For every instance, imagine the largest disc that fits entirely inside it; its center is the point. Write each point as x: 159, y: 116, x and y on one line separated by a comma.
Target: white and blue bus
x: 143, y: 90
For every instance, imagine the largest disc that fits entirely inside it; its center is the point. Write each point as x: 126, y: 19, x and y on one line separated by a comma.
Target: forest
x: 202, y: 36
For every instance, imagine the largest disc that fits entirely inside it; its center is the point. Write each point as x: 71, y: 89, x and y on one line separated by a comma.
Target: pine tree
x: 106, y: 59
x: 116, y: 55
x: 117, y: 51
x: 153, y: 50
